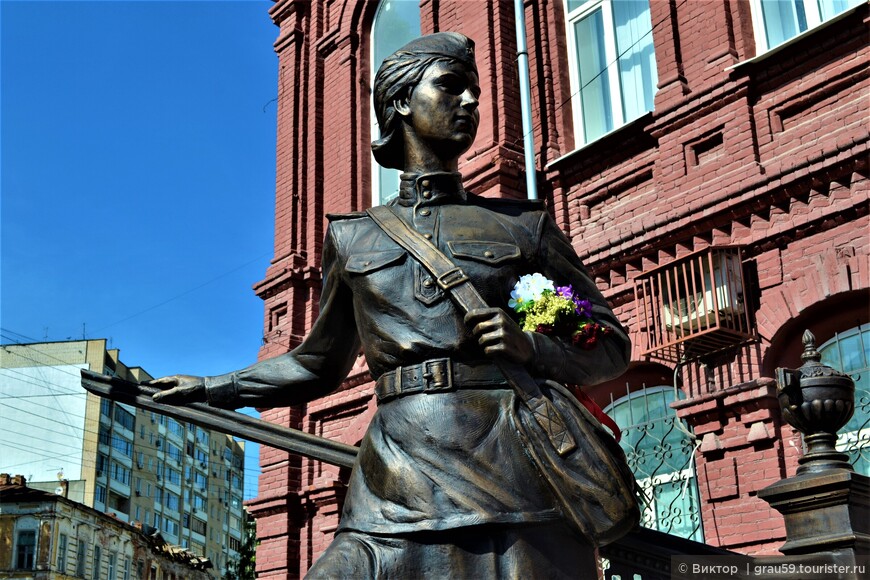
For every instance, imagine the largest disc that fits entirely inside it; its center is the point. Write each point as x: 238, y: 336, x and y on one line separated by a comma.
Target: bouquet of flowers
x: 555, y: 310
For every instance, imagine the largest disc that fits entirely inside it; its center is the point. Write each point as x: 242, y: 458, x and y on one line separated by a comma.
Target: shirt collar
x: 430, y: 188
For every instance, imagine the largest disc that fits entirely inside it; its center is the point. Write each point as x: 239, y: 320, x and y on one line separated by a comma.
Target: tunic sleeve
x: 313, y: 369
x: 557, y: 359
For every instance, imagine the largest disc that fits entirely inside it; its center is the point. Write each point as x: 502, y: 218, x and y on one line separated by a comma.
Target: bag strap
x: 453, y: 280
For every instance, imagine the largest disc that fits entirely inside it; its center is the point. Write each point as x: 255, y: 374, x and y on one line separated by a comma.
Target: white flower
x: 530, y: 287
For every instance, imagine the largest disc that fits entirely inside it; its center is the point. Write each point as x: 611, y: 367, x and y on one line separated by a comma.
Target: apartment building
x: 136, y: 466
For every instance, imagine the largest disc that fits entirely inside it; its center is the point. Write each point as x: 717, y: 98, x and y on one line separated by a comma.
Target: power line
x: 185, y: 293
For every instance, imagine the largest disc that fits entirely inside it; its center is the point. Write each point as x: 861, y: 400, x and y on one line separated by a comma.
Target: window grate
x: 694, y: 306
x: 660, y: 451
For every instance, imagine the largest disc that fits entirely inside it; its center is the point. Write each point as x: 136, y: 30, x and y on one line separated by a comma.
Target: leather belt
x: 436, y: 375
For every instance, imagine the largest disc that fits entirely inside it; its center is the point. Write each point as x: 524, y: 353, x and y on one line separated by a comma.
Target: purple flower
x: 583, y: 307
x: 565, y: 291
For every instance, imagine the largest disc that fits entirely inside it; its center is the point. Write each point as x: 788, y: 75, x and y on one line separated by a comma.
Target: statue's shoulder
x: 508, y: 206
x: 338, y: 217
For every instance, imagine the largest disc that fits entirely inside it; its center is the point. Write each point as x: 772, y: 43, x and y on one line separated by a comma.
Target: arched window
x: 849, y: 352
x: 660, y: 452
x: 396, y: 23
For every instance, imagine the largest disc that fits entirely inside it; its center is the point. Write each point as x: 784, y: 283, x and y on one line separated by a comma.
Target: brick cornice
x: 287, y: 39
x: 753, y: 199
x: 280, y: 278
x: 283, y: 9
x: 708, y: 412
x: 272, y: 504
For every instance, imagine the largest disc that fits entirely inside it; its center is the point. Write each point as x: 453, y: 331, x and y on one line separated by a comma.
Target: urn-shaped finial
x: 817, y: 401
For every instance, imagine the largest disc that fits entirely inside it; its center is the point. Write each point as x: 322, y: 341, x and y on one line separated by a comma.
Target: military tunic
x: 441, y: 460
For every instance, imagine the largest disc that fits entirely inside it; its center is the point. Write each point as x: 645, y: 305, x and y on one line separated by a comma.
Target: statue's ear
x: 402, y: 107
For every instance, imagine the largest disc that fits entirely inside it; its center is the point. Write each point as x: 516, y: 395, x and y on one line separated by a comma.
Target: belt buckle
x: 397, y: 383
x: 437, y: 375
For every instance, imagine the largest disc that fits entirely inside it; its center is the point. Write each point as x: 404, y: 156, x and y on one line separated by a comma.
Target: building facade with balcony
x: 708, y: 160
x: 136, y: 466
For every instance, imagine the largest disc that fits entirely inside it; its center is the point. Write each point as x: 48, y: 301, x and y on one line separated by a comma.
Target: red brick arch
x: 829, y: 296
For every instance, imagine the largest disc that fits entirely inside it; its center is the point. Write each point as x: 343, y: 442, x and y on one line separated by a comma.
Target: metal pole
x: 526, y: 101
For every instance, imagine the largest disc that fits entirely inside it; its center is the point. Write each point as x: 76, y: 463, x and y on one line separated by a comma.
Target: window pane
x: 637, y: 61
x: 574, y: 4
x: 830, y: 8
x: 848, y: 353
x: 397, y: 22
x: 677, y: 512
x: 659, y: 451
x: 783, y: 19
x: 95, y: 571
x: 26, y: 550
x: 81, y: 552
x: 595, y: 99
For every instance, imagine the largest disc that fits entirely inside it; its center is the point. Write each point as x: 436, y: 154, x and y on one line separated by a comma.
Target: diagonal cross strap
x: 452, y: 279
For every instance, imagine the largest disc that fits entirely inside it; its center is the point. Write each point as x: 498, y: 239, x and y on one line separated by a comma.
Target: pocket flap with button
x: 487, y: 252
x: 371, y: 261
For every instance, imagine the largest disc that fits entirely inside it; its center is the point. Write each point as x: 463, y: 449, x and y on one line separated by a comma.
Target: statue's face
x: 443, y: 108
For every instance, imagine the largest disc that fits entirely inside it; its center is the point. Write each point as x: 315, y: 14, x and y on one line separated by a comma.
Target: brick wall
x: 770, y: 154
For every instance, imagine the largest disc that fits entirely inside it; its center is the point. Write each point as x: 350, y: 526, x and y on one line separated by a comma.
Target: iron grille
x: 694, y: 306
x: 660, y: 450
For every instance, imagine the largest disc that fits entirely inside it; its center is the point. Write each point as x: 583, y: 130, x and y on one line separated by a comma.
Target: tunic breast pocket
x: 377, y: 269
x: 491, y: 253
x: 492, y: 266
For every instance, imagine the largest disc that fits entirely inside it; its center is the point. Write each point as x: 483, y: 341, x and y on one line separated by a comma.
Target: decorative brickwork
x: 764, y: 151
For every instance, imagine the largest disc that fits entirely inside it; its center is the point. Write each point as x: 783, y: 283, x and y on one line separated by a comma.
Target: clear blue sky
x: 137, y: 174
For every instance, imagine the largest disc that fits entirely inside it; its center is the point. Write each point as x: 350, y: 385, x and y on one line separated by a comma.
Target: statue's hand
x: 499, y: 335
x: 179, y: 389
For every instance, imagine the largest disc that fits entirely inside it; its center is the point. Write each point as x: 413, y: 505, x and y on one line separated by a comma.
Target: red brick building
x: 709, y: 162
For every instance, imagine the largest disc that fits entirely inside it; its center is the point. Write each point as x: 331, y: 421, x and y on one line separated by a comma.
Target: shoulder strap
x: 452, y: 279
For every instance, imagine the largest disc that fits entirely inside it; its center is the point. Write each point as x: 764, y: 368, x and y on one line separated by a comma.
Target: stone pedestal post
x: 825, y: 505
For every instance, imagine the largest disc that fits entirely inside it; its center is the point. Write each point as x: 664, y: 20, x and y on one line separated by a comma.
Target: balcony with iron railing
x: 694, y: 306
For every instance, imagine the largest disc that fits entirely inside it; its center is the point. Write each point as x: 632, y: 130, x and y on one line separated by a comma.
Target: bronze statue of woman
x: 444, y: 485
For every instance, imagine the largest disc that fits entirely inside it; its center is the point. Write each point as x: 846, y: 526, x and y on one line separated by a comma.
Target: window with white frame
x: 120, y: 473
x: 396, y: 23
x: 173, y: 476
x: 849, y: 352
x: 776, y: 21
x: 170, y: 526
x: 611, y: 62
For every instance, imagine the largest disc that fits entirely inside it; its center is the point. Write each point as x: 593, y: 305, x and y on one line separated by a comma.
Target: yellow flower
x: 546, y: 311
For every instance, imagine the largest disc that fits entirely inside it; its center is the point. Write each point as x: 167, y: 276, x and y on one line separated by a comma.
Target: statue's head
x: 396, y: 79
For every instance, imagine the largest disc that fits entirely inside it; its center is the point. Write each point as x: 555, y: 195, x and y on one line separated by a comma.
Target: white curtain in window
x: 636, y: 57
x: 830, y: 8
x: 783, y: 19
x: 595, y: 97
